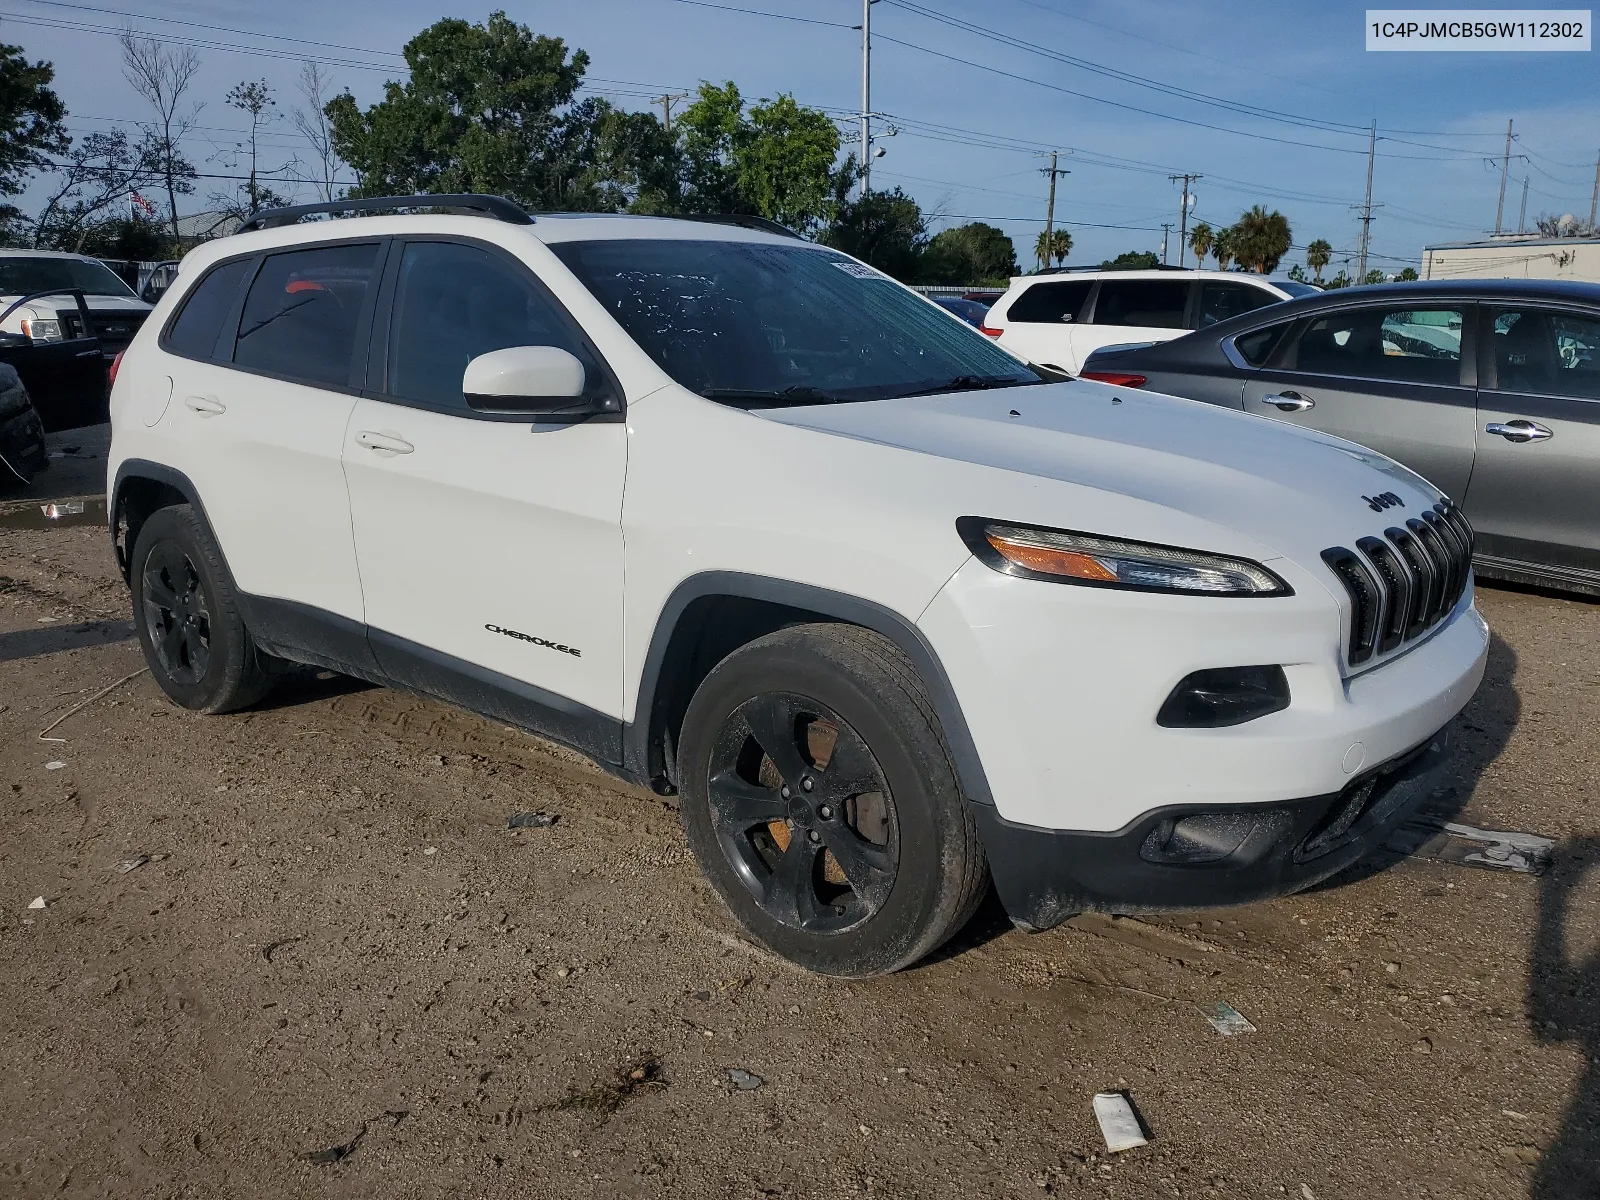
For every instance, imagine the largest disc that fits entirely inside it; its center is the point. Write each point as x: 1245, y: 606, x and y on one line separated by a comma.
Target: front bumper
x: 1243, y: 854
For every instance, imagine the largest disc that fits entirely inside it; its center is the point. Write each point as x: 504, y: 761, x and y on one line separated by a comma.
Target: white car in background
x: 1058, y: 318
x: 50, y: 277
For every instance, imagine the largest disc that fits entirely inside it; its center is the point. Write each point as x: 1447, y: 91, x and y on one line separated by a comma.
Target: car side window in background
x: 1148, y: 303
x: 454, y: 302
x: 194, y: 333
x: 1552, y: 353
x: 1051, y: 303
x: 300, y: 316
x: 1404, y: 345
x: 1257, y: 346
x: 1221, y: 299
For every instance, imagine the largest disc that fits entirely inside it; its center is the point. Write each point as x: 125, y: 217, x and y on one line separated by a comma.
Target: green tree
x: 135, y: 238
x: 253, y: 97
x: 1260, y: 239
x: 1132, y: 260
x: 974, y: 253
x: 1373, y: 276
x: 1201, y: 240
x: 1057, y: 245
x: 1409, y: 275
x: 1222, y: 247
x: 1318, y: 254
x: 31, y: 129
x: 99, y: 173
x: 1341, y: 280
x: 487, y: 108
x: 885, y: 229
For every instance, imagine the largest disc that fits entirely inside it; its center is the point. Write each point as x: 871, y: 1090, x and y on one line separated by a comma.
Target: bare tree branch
x: 162, y: 75
x: 313, y: 123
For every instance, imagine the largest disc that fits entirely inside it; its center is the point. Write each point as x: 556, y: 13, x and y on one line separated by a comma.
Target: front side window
x: 1050, y: 303
x: 24, y: 276
x: 1546, y: 352
x: 454, y: 302
x: 194, y: 332
x: 1403, y: 345
x: 1222, y: 299
x: 1143, y: 303
x: 761, y: 324
x: 301, y: 314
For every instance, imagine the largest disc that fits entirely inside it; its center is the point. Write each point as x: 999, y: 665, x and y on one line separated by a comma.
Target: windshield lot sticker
x: 859, y: 270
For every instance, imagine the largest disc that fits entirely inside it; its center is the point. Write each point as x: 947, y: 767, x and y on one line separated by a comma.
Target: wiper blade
x: 799, y: 394
x: 971, y: 383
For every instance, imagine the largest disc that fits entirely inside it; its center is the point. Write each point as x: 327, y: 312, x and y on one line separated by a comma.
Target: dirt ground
x: 340, y: 974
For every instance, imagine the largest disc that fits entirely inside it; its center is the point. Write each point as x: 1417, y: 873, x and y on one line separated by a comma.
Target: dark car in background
x: 970, y: 311
x: 1490, y: 389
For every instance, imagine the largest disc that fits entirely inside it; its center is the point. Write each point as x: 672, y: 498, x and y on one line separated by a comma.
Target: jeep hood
x: 1289, y: 490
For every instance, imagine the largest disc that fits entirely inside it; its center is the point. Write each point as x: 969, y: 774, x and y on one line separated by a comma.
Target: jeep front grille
x: 1402, y: 584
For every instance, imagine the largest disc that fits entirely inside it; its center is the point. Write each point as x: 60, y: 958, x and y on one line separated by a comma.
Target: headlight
x: 1065, y: 557
x: 42, y: 331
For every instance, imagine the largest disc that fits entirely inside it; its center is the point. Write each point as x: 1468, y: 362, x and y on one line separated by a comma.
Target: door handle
x: 384, y: 443
x: 206, y: 406
x: 1289, y: 402
x: 1520, y: 430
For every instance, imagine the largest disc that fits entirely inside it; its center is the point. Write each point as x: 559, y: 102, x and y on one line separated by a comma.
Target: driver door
x: 489, y: 547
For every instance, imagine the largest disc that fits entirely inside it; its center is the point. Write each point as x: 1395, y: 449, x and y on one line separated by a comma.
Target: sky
x: 1268, y: 101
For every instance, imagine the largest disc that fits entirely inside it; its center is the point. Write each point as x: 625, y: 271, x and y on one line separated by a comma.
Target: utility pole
x: 1183, y: 214
x: 866, y: 97
x: 1594, y: 196
x: 1505, y: 169
x: 1366, y: 208
x: 666, y: 102
x: 1166, y: 230
x: 1522, y: 217
x: 1050, y: 211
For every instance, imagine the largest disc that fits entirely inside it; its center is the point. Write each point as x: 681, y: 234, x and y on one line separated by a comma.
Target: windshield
x: 755, y: 324
x: 24, y: 276
x: 1297, y: 289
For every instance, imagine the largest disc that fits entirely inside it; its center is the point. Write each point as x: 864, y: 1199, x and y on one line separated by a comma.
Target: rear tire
x: 819, y: 797
x: 187, y: 615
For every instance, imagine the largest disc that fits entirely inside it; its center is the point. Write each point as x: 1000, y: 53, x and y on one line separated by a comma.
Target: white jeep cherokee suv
x: 749, y: 522
x: 1058, y: 318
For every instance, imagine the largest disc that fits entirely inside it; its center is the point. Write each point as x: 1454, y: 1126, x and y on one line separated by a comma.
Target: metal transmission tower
x: 1050, y: 210
x: 1183, y: 214
x: 1367, y: 207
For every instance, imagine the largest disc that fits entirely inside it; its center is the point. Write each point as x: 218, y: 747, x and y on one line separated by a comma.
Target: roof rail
x: 1070, y: 270
x: 742, y: 220
x: 495, y: 207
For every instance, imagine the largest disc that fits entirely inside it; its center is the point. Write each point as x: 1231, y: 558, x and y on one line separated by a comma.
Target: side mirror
x: 531, y: 381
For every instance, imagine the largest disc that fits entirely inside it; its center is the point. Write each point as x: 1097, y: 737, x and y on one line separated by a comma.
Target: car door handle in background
x: 206, y: 406
x: 1289, y: 402
x: 1519, y: 430
x: 384, y: 443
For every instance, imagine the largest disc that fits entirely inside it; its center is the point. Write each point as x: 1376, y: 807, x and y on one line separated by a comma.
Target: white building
x: 1514, y: 257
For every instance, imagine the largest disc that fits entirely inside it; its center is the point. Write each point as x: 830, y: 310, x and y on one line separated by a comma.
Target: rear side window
x: 1050, y: 303
x: 1257, y: 346
x: 1222, y: 299
x: 301, y: 314
x: 194, y: 332
x: 1145, y: 303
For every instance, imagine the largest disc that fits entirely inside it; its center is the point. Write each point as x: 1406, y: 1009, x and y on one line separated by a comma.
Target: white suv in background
x: 748, y: 522
x: 1058, y: 318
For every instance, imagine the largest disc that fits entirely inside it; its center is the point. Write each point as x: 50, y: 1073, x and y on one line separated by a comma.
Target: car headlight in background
x: 41, y: 331
x: 1066, y: 557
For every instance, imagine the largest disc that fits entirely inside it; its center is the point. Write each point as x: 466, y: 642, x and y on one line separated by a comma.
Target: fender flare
x: 838, y: 606
x: 139, y: 468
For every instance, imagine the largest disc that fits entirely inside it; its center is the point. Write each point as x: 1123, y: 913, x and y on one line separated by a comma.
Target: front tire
x: 821, y: 802
x: 187, y: 615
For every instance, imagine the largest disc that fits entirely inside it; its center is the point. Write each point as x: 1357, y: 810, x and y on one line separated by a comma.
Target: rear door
x: 1535, y: 494
x: 1392, y: 377
x: 1038, y: 324
x: 261, y: 397
x: 1134, y: 310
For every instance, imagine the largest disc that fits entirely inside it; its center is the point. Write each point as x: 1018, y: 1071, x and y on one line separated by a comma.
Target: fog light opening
x: 1224, y: 696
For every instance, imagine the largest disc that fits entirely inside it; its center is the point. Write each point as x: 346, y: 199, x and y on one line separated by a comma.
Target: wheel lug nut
x: 825, y: 813
x: 815, y: 836
x: 784, y: 792
x: 807, y: 783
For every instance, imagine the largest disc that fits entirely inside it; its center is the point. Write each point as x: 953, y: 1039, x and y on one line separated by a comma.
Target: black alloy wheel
x: 803, y: 813
x: 177, y: 614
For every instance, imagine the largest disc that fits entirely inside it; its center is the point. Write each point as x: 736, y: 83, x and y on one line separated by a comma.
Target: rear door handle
x: 1289, y: 402
x: 206, y: 406
x: 1520, y: 430
x: 383, y: 443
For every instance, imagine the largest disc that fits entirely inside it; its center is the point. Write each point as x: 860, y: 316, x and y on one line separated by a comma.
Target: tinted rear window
x: 300, y: 316
x: 1142, y: 303
x: 1257, y: 346
x: 1050, y: 303
x: 194, y: 333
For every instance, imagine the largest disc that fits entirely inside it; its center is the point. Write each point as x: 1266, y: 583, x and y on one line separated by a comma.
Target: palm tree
x: 1057, y: 245
x: 1318, y: 255
x: 1261, y: 239
x: 1222, y: 247
x: 1201, y: 239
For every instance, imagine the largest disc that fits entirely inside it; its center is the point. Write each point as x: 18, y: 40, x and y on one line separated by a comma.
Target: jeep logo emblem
x: 1382, y: 501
